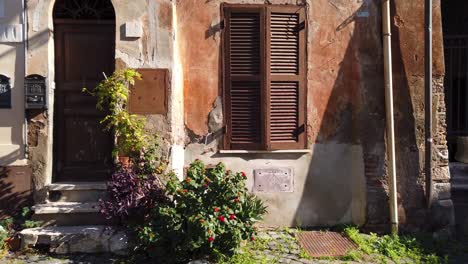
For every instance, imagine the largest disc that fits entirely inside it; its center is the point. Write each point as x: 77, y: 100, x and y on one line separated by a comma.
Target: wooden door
x: 84, y: 50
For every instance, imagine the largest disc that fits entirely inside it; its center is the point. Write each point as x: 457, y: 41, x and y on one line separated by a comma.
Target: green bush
x: 209, y: 215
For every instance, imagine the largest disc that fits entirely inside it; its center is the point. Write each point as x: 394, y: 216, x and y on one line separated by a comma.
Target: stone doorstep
x: 66, y: 208
x: 461, y: 187
x: 77, y: 239
x: 77, y: 186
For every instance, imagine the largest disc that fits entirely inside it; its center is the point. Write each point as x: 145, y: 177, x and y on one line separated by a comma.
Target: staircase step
x: 69, y: 214
x: 66, y: 208
x: 76, y: 239
x: 77, y: 186
x: 83, y: 192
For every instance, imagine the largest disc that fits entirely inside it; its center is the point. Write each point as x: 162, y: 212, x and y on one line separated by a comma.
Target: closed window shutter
x: 244, y: 77
x: 286, y: 77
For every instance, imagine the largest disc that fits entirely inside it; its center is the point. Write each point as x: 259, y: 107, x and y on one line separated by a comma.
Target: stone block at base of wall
x: 442, y: 214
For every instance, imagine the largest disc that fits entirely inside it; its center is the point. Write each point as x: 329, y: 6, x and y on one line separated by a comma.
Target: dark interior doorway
x: 84, y: 33
x: 455, y: 29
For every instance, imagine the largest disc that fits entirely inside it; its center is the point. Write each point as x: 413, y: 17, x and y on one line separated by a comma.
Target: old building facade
x: 331, y: 146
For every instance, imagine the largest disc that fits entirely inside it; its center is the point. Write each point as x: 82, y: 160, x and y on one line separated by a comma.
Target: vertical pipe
x: 25, y: 46
x: 428, y: 102
x: 388, y: 75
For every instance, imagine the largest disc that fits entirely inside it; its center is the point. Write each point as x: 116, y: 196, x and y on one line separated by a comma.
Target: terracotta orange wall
x: 334, y: 76
x: 199, y: 56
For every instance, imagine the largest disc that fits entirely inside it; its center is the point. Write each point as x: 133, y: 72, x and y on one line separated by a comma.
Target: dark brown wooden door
x: 83, y: 51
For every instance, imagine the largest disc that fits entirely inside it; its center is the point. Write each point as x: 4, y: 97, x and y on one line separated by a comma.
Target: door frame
x: 52, y: 118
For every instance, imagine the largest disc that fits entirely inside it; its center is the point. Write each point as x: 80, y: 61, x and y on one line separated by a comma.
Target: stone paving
x: 269, y: 247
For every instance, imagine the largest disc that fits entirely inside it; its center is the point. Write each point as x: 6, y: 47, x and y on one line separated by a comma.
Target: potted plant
x: 112, y: 96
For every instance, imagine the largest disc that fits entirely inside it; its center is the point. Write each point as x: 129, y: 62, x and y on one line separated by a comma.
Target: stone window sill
x: 286, y: 151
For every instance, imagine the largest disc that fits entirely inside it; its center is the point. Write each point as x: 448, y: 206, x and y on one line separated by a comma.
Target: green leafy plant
x: 210, y: 214
x: 396, y: 248
x: 112, y: 96
x: 26, y: 221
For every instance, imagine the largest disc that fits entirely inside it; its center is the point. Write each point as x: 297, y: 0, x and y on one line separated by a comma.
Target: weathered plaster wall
x: 15, y: 174
x: 341, y: 79
x: 12, y: 65
x: 343, y: 177
x: 153, y: 50
x: 408, y: 47
x: 346, y: 115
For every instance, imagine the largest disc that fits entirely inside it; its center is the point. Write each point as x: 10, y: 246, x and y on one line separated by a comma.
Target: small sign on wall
x: 5, y: 92
x: 149, y: 95
x: 273, y: 180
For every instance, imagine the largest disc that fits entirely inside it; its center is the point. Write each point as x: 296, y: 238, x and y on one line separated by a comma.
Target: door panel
x: 82, y: 149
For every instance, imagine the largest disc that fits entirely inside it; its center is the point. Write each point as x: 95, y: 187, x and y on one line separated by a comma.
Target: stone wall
x: 342, y: 178
x: 153, y: 50
x: 346, y: 115
x: 345, y: 111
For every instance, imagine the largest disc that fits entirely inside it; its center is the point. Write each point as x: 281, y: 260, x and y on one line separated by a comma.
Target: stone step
x: 77, y: 192
x: 69, y: 214
x: 76, y: 239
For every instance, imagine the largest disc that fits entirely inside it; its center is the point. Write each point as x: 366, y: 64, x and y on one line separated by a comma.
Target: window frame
x: 265, y: 76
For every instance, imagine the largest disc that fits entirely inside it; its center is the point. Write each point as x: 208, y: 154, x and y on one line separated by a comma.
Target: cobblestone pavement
x: 270, y: 247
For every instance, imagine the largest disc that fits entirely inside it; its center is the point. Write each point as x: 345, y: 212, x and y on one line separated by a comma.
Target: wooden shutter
x: 244, y: 77
x: 286, y: 73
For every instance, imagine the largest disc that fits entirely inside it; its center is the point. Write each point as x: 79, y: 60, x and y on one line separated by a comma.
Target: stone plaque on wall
x: 273, y: 180
x: 149, y: 95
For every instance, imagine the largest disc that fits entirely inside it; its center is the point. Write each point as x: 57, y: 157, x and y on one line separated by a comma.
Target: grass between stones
x: 281, y: 246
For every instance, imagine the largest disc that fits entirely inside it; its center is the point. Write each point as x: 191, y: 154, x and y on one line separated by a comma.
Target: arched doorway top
x: 84, y: 9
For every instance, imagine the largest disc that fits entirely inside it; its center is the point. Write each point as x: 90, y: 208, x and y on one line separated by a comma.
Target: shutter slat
x: 284, y: 106
x: 284, y: 57
x: 245, y: 112
x: 245, y: 43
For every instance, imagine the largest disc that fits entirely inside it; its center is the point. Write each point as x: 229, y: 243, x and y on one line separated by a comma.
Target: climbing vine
x: 112, y: 96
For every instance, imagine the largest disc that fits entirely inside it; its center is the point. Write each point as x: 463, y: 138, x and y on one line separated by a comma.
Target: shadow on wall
x: 347, y: 178
x: 14, y: 118
x: 15, y: 190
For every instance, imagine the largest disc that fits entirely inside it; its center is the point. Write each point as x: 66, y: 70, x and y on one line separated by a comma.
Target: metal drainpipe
x: 387, y: 40
x: 428, y: 102
x: 25, y: 41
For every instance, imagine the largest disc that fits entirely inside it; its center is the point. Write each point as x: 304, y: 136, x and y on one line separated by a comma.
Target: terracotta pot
x: 14, y: 243
x: 124, y: 161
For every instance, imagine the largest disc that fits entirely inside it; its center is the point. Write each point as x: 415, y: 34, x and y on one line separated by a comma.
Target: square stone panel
x: 271, y: 180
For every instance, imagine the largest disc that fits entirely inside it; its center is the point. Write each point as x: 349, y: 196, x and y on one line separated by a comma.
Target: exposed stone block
x: 442, y: 191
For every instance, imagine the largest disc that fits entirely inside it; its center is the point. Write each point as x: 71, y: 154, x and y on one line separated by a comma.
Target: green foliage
x: 250, y: 253
x: 3, y: 237
x: 25, y: 219
x: 112, y: 96
x: 149, y: 162
x: 210, y: 214
x: 394, y: 247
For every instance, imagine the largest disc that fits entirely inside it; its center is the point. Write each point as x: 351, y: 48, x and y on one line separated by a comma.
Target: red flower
x: 236, y: 200
x: 243, y: 174
x: 221, y: 218
x: 188, y: 180
x: 252, y: 238
x: 185, y: 190
x: 216, y: 209
x: 232, y: 217
x: 211, y: 239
